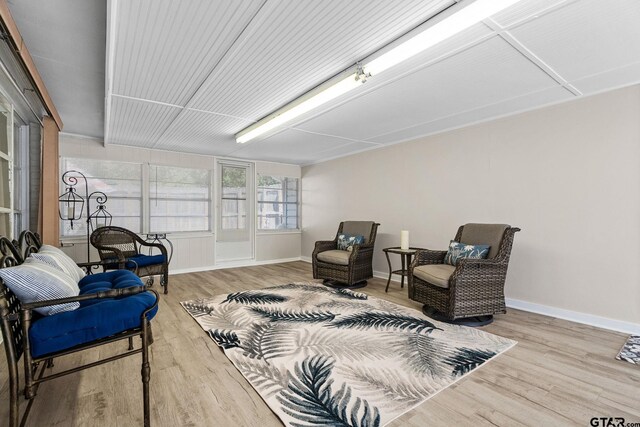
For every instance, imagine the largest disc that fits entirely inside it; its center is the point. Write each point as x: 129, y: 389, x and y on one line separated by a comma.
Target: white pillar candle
x: 404, y: 239
x: 70, y: 212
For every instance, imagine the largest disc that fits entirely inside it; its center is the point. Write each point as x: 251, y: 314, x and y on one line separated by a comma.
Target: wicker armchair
x: 353, y: 268
x: 472, y: 291
x: 122, y: 249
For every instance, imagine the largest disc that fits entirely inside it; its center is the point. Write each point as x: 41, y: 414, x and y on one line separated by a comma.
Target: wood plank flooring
x: 560, y: 373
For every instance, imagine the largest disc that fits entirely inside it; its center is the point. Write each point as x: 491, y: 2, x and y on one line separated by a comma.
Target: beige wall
x: 568, y: 175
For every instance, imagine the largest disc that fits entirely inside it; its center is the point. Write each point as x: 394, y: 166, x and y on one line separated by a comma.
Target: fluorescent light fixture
x: 449, y: 26
x: 456, y: 23
x: 311, y: 100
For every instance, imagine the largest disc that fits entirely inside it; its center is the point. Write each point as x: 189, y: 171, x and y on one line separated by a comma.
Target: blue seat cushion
x: 94, y: 320
x: 140, y: 261
x: 110, y: 279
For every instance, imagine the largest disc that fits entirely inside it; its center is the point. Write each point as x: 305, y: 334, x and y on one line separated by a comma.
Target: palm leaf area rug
x: 321, y: 356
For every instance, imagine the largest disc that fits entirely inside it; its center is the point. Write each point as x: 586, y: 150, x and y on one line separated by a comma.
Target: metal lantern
x: 71, y: 205
x: 100, y: 218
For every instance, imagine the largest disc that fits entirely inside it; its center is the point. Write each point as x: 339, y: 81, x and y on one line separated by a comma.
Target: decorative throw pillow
x: 346, y: 241
x: 35, y: 281
x: 459, y: 250
x: 51, y: 254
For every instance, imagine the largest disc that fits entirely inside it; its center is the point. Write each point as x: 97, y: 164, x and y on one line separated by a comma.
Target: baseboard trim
x: 235, y: 264
x: 575, y: 316
x: 547, y: 310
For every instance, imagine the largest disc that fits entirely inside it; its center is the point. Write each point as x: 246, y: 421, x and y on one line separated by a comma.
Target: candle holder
x: 71, y: 204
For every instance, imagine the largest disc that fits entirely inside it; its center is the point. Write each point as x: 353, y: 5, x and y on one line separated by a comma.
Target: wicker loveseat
x: 124, y: 250
x: 346, y: 268
x: 472, y: 291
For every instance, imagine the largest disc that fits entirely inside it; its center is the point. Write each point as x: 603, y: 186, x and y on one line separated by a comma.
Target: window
x: 234, y: 198
x: 179, y: 199
x: 6, y: 172
x: 278, y: 206
x: 120, y: 181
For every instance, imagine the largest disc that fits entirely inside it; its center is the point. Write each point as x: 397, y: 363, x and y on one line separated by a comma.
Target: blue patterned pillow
x: 459, y: 250
x: 37, y: 281
x: 346, y: 241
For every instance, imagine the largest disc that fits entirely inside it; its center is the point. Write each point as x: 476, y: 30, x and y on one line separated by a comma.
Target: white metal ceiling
x: 187, y: 75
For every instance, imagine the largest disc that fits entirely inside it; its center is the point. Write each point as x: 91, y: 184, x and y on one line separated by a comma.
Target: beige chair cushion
x: 484, y: 234
x: 335, y: 257
x: 358, y: 228
x: 436, y: 274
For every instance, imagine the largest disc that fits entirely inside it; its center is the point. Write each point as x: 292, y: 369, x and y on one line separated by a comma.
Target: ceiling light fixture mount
x: 469, y: 12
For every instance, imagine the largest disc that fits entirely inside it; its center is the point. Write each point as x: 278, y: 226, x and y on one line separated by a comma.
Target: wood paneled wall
x: 50, y: 229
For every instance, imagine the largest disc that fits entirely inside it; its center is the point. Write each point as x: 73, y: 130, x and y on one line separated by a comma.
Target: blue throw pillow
x: 346, y: 241
x: 459, y: 250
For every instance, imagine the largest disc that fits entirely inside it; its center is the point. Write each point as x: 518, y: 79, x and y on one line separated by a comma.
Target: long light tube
x: 457, y: 22
x: 450, y: 26
x: 299, y: 107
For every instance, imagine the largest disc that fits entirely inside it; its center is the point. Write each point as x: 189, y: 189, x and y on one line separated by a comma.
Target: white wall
x: 192, y: 251
x: 568, y: 175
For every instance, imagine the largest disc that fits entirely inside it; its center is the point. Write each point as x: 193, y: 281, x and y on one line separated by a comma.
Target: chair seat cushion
x: 113, y: 278
x: 100, y: 319
x: 335, y: 257
x: 436, y: 274
x: 140, y: 261
x: 106, y: 281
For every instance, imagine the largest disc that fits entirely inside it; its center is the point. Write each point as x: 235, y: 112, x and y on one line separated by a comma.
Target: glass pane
x: 120, y: 181
x: 5, y: 225
x: 5, y: 194
x: 178, y: 215
x: 277, y: 203
x: 179, y: 183
x: 234, y: 182
x: 179, y: 199
x: 234, y: 198
x: 5, y: 125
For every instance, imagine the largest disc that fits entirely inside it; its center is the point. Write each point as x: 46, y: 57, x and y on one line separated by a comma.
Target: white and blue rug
x: 321, y: 356
x: 630, y: 351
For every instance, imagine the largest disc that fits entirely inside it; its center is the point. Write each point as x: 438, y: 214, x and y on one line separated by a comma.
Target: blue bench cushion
x: 140, y: 261
x: 96, y: 318
x: 113, y: 278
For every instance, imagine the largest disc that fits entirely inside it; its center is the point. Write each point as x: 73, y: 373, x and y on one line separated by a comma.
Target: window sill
x: 170, y: 235
x: 276, y: 232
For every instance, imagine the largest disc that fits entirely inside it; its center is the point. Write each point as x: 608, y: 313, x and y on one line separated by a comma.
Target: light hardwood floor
x: 560, y: 373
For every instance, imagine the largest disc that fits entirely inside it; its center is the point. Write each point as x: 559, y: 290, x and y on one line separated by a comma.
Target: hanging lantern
x: 100, y: 218
x: 70, y: 206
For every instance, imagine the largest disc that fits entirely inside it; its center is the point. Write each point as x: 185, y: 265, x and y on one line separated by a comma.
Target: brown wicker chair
x: 123, y: 248
x: 352, y: 270
x: 471, y: 292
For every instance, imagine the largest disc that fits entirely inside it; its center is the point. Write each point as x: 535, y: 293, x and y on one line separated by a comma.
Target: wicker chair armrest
x: 427, y: 256
x: 471, y: 261
x: 158, y: 246
x: 359, y: 251
x: 112, y: 293
x: 324, y: 245
x: 115, y: 251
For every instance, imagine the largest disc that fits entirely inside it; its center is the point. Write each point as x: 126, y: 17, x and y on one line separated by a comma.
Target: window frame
x: 298, y: 203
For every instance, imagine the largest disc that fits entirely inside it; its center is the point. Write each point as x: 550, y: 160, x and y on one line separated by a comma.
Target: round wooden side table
x: 405, y: 256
